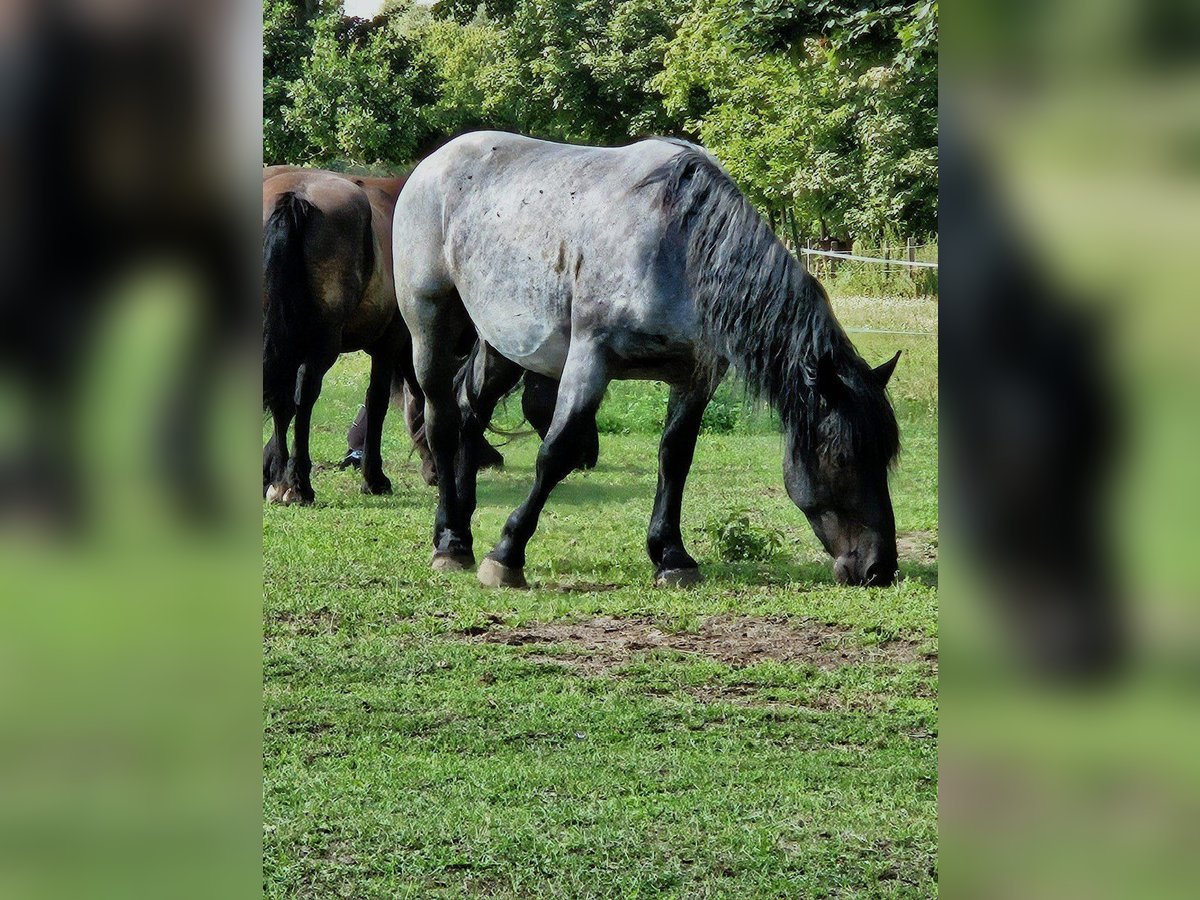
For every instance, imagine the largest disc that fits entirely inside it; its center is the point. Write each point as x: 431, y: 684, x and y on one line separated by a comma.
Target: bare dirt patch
x: 918, y: 546
x: 600, y: 644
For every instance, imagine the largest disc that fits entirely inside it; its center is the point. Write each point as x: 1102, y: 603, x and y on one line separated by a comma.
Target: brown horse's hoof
x: 281, y: 495
x: 429, y: 474
x: 377, y: 488
x: 444, y: 561
x: 496, y: 574
x: 678, y: 578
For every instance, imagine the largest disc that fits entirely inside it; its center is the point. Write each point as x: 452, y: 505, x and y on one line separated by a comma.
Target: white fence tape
x: 882, y: 331
x: 870, y: 259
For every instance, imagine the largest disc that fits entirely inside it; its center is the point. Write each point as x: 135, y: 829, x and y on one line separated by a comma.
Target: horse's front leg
x: 584, y: 381
x: 673, y: 565
x: 487, y: 377
x: 537, y: 403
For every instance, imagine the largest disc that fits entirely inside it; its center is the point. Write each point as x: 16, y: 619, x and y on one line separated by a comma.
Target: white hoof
x: 452, y: 562
x: 495, y: 574
x: 678, y: 578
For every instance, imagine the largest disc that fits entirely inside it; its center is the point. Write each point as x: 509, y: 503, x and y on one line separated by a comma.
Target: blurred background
x: 129, y: 521
x: 1069, y: 207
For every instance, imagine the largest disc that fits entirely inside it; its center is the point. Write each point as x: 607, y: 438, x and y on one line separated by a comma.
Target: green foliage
x: 825, y: 112
x: 359, y: 95
x: 735, y: 538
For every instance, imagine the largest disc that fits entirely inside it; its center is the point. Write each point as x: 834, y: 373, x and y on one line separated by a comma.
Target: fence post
x: 912, y: 250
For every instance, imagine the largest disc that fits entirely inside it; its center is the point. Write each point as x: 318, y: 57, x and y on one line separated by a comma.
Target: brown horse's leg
x: 299, y: 469
x: 378, y: 395
x: 414, y: 419
x: 275, y: 454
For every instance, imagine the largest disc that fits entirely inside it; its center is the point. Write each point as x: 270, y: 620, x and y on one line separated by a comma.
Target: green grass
x: 404, y: 760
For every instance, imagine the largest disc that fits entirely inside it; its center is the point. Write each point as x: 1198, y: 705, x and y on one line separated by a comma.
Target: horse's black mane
x: 760, y: 308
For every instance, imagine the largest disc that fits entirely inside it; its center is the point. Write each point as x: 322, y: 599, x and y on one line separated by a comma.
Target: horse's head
x: 837, y: 473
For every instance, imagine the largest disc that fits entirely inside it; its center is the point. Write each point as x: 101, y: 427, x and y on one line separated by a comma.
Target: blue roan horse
x: 591, y: 264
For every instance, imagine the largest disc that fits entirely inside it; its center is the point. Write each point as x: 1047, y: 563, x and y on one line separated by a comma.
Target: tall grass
x: 847, y: 276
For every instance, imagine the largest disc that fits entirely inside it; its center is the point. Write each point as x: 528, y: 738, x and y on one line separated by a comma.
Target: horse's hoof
x: 352, y: 459
x: 429, y: 475
x: 448, y: 561
x: 678, y: 578
x: 284, y: 495
x: 377, y: 488
x: 293, y: 497
x: 496, y: 574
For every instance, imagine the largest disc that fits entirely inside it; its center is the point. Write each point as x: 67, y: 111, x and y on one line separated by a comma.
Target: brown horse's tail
x: 289, y: 308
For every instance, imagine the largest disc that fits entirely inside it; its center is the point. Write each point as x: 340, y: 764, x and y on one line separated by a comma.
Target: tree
x: 827, y: 109
x: 359, y: 95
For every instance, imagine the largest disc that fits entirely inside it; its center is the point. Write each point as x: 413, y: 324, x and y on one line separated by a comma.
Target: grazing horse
x: 327, y: 290
x: 589, y: 264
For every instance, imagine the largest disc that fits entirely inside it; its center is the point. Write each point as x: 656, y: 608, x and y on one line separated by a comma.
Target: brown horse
x: 327, y: 257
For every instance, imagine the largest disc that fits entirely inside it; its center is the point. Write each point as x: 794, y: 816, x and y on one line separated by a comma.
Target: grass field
x: 768, y: 734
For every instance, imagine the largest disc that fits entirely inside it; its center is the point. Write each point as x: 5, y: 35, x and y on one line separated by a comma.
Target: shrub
x: 738, y: 539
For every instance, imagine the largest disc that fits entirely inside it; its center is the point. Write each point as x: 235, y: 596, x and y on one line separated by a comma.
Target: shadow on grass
x: 509, y: 494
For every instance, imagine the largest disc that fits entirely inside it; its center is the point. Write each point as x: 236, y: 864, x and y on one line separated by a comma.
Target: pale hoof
x: 282, y: 496
x: 678, y: 578
x: 496, y: 574
x: 452, y: 562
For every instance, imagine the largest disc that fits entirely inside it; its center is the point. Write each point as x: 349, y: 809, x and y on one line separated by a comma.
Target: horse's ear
x: 883, y: 374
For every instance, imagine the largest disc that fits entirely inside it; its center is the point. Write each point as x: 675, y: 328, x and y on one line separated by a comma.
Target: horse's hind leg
x: 275, y: 454
x: 432, y: 319
x: 584, y: 381
x: 298, y: 476
x: 379, y: 394
x: 673, y: 565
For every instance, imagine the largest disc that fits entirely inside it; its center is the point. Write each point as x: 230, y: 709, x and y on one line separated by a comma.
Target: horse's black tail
x: 289, y: 308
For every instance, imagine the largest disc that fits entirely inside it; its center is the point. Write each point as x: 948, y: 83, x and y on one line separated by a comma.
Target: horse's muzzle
x: 864, y: 571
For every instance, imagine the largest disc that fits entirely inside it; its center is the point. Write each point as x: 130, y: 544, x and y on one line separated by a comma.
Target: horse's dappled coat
x: 590, y: 264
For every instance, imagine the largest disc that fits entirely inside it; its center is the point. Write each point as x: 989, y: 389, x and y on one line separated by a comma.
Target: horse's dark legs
x: 435, y: 365
x: 275, y: 454
x: 298, y: 476
x: 379, y: 392
x: 488, y: 377
x: 537, y: 404
x: 673, y: 565
x: 580, y: 392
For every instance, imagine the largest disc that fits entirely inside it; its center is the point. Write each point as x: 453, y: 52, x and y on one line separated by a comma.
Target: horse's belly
x: 541, y: 350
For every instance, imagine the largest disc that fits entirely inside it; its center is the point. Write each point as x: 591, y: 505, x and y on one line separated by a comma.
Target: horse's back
x: 539, y: 239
